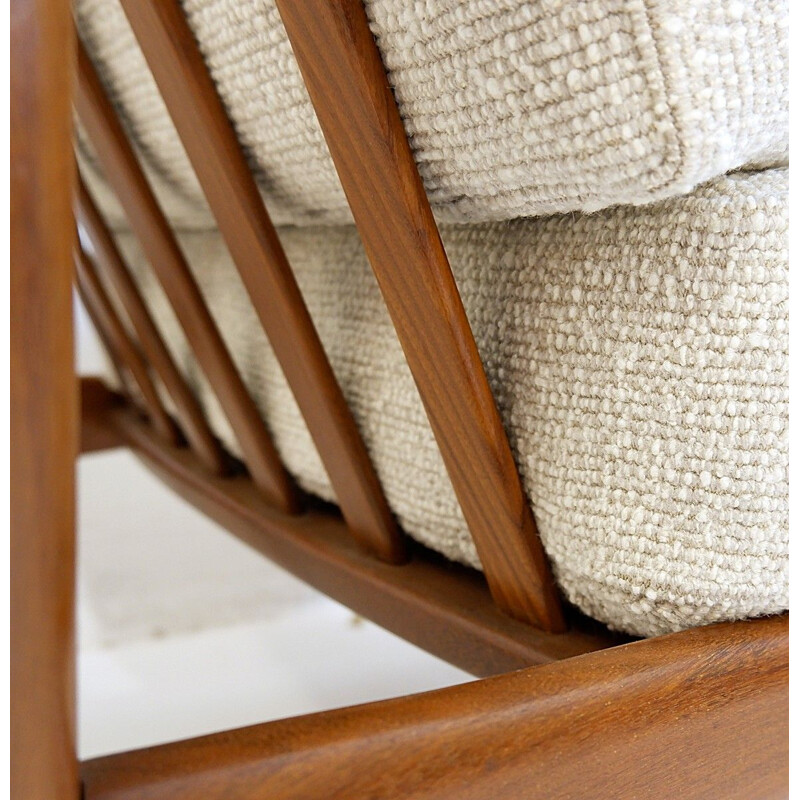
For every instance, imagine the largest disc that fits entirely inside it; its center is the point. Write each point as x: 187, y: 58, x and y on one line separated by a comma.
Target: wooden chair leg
x: 44, y: 412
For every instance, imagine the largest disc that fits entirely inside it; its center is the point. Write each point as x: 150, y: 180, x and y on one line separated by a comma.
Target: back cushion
x: 512, y: 108
x: 639, y: 358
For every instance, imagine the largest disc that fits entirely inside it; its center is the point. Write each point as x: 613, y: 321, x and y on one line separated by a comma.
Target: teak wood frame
x: 571, y: 712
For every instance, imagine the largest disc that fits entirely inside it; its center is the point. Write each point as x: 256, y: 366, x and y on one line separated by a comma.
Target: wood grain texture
x: 442, y: 607
x: 107, y: 258
x: 342, y: 69
x: 44, y: 411
x: 147, y: 220
x: 698, y: 714
x: 125, y: 352
x: 211, y: 144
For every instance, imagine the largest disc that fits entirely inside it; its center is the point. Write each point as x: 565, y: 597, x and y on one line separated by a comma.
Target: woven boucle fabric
x: 639, y: 361
x: 513, y: 108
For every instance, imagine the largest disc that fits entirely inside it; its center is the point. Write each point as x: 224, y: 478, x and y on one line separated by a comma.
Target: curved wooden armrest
x: 703, y: 713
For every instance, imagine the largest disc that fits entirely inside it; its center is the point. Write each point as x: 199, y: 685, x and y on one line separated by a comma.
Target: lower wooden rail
x: 698, y: 714
x: 439, y: 606
x: 702, y: 713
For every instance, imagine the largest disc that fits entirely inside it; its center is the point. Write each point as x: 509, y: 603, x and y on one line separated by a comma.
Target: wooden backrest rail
x: 158, y: 242
x: 343, y: 72
x: 130, y: 358
x: 442, y: 607
x: 213, y: 148
x: 108, y: 259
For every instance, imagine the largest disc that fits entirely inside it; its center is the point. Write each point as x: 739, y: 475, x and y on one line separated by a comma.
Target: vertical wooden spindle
x: 108, y: 258
x: 133, y: 191
x: 211, y: 144
x: 343, y: 72
x: 125, y: 351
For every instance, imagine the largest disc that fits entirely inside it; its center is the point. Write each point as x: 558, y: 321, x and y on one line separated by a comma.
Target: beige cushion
x: 639, y: 360
x: 513, y: 108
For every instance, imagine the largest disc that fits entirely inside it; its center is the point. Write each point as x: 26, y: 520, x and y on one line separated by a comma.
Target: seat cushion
x: 639, y: 361
x: 513, y: 108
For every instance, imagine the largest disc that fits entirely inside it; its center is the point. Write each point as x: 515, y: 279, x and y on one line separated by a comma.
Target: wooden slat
x: 698, y: 714
x: 107, y: 257
x: 342, y: 69
x: 218, y: 161
x: 43, y: 405
x: 125, y: 351
x: 435, y: 604
x: 147, y: 220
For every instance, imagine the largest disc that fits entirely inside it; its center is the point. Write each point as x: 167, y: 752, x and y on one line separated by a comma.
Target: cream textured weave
x: 639, y: 359
x: 513, y: 108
